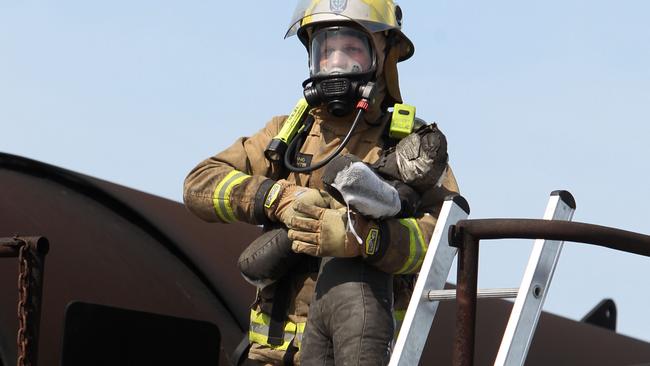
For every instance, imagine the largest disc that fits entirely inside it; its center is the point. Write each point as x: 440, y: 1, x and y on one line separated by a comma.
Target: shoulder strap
x: 279, y: 311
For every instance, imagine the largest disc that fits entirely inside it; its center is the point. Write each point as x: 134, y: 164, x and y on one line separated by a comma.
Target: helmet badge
x: 338, y: 6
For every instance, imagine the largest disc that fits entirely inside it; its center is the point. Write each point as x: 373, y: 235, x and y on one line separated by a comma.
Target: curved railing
x: 466, y: 235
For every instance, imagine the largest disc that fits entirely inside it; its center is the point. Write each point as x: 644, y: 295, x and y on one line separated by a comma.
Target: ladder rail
x: 534, y: 287
x: 436, y: 265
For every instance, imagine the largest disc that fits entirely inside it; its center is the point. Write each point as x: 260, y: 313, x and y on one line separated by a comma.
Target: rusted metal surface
x: 31, y: 264
x: 623, y: 240
x: 31, y: 253
x: 212, y: 249
x: 118, y: 247
x: 10, y: 247
x: 557, y: 341
x: 466, y: 298
x: 466, y: 235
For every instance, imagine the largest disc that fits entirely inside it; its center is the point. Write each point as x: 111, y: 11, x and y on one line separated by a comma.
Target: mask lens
x: 340, y: 51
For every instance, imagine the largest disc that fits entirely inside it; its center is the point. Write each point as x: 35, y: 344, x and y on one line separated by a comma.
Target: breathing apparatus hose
x: 292, y: 146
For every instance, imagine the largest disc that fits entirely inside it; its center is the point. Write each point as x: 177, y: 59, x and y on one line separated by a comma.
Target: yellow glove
x: 323, y: 232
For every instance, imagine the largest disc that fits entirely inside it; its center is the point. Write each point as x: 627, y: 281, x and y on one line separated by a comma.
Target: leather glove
x: 419, y: 159
x: 326, y: 232
x: 283, y: 195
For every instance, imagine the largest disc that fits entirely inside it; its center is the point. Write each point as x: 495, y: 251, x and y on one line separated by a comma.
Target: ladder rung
x: 488, y: 293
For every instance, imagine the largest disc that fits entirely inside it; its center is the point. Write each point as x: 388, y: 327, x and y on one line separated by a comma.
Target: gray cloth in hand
x: 366, y: 192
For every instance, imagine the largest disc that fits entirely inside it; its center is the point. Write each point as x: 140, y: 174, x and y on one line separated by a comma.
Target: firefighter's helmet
x: 373, y: 15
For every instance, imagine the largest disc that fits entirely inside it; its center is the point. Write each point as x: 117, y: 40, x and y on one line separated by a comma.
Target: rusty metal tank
x: 115, y: 246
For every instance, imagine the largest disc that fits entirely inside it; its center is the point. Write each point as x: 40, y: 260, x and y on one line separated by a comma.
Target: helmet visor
x: 340, y: 51
x: 374, y: 15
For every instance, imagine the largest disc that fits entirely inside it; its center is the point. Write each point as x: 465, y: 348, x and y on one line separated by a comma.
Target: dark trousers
x: 350, y: 319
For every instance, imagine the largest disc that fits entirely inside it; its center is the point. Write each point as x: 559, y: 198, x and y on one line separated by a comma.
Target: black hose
x: 292, y: 147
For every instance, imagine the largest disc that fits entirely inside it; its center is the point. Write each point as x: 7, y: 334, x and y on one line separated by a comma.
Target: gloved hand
x: 325, y: 232
x: 419, y: 159
x: 283, y: 195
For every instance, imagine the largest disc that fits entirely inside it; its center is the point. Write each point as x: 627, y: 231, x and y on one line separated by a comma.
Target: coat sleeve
x: 226, y: 187
x: 404, y: 242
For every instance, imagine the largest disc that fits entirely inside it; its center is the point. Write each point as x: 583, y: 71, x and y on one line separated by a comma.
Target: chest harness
x: 287, y: 143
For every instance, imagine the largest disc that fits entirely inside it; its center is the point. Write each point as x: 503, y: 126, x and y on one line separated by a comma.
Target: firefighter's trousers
x: 350, y: 318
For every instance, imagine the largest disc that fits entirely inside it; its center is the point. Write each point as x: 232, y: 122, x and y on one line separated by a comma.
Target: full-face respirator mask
x: 342, y: 62
x: 342, y: 66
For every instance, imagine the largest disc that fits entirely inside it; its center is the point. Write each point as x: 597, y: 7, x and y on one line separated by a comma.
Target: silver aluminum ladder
x: 428, y: 290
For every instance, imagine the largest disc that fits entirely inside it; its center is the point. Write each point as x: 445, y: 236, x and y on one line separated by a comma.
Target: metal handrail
x: 466, y: 235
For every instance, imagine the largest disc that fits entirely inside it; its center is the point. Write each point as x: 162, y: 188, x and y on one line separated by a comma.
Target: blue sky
x: 533, y: 97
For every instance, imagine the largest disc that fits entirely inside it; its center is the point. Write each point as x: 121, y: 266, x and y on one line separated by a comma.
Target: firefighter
x: 352, y: 45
